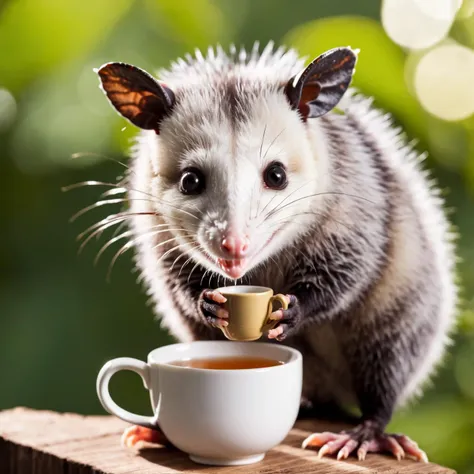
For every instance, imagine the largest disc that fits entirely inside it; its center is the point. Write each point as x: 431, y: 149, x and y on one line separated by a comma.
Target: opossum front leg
x: 377, y: 375
x: 306, y: 304
x: 210, y: 308
x: 326, y: 284
x: 289, y: 319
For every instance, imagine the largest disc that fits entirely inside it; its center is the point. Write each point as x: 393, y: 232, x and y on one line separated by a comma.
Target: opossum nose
x: 235, y: 246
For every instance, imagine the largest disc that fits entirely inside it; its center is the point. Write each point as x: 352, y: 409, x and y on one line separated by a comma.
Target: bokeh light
x: 439, y: 9
x: 418, y: 24
x: 444, y: 81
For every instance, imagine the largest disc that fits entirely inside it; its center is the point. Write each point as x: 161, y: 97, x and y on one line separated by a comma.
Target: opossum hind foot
x: 365, y: 438
x: 138, y: 436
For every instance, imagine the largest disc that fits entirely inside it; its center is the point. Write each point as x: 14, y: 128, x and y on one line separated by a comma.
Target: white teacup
x: 218, y: 417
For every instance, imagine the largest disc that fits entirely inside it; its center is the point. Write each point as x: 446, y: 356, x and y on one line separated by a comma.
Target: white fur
x: 267, y: 66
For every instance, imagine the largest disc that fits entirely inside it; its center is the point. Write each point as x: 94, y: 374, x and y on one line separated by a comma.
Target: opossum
x: 254, y: 169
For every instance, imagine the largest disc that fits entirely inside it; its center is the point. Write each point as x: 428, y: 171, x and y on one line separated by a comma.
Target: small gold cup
x: 249, y: 310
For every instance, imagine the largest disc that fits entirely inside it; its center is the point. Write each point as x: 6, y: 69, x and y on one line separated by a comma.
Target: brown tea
x: 228, y: 363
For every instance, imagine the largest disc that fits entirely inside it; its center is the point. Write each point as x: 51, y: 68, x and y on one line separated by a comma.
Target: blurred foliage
x: 59, y: 319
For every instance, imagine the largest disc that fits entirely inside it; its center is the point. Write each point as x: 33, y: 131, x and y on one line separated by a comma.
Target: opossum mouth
x: 236, y: 268
x: 233, y: 268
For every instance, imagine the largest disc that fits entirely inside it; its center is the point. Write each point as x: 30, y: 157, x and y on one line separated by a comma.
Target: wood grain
x: 52, y: 443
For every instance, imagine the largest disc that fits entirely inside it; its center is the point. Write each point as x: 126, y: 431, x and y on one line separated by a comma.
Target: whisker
x: 133, y: 241
x: 263, y: 139
x: 214, y: 274
x: 203, y: 276
x: 192, y: 270
x: 287, y: 219
x: 103, y: 183
x: 275, y: 194
x: 83, y: 154
x: 293, y: 192
x: 268, y: 203
x: 314, y: 195
x: 174, y: 248
x: 124, y: 249
x: 175, y: 261
x: 273, y: 141
x: 105, y: 203
x: 109, y: 243
x: 166, y: 241
x: 113, y: 217
x: 98, y: 232
x: 113, y: 192
x: 183, y: 265
x: 96, y: 204
x: 257, y: 182
x: 101, y: 229
x: 119, y: 228
x: 118, y: 201
x: 82, y: 184
x: 351, y: 228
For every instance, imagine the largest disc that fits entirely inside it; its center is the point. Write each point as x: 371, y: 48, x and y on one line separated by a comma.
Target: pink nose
x: 235, y: 246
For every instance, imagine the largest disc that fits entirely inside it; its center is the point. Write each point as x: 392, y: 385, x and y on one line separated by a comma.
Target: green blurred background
x: 59, y: 318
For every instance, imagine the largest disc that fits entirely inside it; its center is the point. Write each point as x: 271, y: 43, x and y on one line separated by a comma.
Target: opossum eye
x: 192, y: 181
x: 274, y: 176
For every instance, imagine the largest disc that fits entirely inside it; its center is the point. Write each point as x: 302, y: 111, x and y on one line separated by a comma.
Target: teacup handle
x: 270, y: 324
x: 103, y: 379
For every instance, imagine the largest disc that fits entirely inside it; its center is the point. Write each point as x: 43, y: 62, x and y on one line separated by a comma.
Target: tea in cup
x: 224, y: 403
x: 249, y: 310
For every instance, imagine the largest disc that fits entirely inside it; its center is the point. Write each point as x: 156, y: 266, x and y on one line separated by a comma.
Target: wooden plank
x: 51, y: 443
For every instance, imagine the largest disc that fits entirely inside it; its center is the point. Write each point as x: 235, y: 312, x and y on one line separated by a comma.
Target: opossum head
x: 237, y: 157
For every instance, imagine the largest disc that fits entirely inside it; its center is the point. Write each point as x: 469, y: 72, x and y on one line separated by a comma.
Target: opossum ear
x: 319, y: 87
x: 136, y: 95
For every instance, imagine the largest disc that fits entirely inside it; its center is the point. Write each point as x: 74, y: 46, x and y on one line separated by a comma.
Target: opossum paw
x: 210, y: 305
x: 288, y: 320
x: 138, y: 436
x: 362, y: 440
